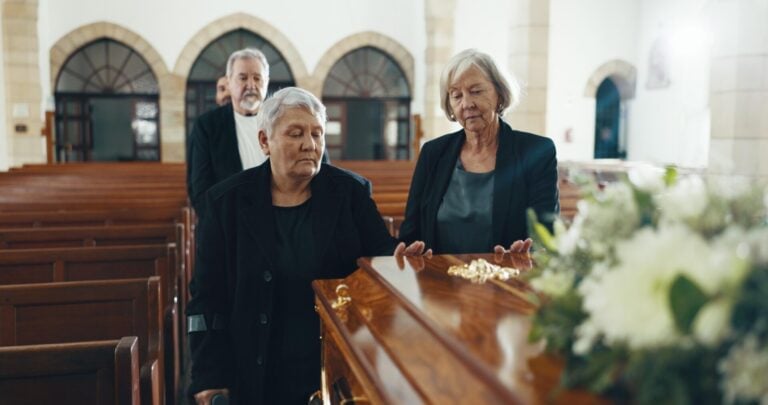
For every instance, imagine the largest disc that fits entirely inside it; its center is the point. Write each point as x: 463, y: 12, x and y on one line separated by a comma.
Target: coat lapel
x: 506, y: 180
x: 230, y: 150
x: 257, y: 212
x: 443, y: 173
x: 325, y: 209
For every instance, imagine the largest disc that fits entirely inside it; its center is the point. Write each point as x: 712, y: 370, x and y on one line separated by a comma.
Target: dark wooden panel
x: 102, y: 372
x: 77, y: 311
x: 26, y: 274
x: 57, y: 322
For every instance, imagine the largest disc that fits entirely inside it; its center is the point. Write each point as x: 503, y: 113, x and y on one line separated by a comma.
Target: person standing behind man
x: 224, y: 141
x: 222, y: 91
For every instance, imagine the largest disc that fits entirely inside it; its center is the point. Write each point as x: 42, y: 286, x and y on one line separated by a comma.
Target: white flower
x: 756, y: 245
x: 730, y: 187
x: 686, y: 200
x: 765, y: 200
x: 712, y: 322
x: 725, y: 268
x: 647, y: 178
x: 743, y: 372
x: 630, y: 303
x: 586, y: 335
x: 567, y: 240
x: 553, y: 283
x: 613, y: 216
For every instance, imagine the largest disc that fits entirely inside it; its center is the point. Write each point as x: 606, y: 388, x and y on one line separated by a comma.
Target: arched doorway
x: 368, y: 101
x: 212, y: 64
x: 607, y: 119
x: 107, y: 105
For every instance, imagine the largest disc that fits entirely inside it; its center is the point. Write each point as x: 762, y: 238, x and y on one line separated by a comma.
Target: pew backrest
x: 32, y: 314
x: 99, y: 372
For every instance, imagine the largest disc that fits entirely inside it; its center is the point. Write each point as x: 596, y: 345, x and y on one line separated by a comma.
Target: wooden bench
x: 94, y: 217
x: 47, y: 313
x: 25, y: 266
x: 92, y: 236
x: 100, y: 372
x: 108, y: 217
x: 89, y: 236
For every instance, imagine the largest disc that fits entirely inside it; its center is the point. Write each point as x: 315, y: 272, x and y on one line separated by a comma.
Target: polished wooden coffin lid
x: 414, y: 334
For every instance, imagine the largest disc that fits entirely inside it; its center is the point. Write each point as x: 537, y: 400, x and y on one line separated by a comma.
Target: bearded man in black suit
x: 224, y: 141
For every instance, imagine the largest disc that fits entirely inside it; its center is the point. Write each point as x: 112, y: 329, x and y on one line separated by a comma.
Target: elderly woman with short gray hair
x: 471, y: 188
x: 269, y: 231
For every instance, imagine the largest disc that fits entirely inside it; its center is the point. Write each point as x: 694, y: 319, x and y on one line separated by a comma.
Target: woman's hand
x: 518, y: 246
x: 414, y: 253
x: 205, y: 397
x: 414, y: 249
x: 519, y: 252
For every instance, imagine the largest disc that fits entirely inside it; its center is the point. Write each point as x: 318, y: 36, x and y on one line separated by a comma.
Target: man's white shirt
x: 251, y: 154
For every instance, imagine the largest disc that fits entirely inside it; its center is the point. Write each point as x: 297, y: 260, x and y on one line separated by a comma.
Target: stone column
x: 439, y: 16
x: 739, y: 88
x: 528, y: 61
x: 23, y: 93
x: 172, y: 123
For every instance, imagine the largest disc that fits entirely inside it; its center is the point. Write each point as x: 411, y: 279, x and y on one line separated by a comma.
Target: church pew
x: 66, y: 215
x: 89, y: 236
x: 569, y: 197
x: 53, y: 203
x: 118, y: 166
x: 25, y: 266
x: 32, y: 314
x: 100, y: 217
x: 98, y: 373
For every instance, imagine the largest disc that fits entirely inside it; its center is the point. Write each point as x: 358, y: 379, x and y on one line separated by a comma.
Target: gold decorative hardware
x: 480, y: 270
x: 342, y: 296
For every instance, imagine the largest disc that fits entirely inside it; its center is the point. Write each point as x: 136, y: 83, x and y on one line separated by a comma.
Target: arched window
x: 368, y: 103
x: 607, y: 117
x: 107, y: 105
x: 211, y: 64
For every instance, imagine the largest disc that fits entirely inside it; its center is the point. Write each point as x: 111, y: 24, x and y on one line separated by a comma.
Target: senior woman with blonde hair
x: 269, y: 231
x: 471, y: 188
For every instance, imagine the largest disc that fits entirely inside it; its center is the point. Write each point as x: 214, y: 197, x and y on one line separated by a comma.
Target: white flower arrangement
x: 657, y: 278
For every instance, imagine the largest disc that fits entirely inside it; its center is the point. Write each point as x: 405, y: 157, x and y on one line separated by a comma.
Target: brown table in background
x: 409, y: 333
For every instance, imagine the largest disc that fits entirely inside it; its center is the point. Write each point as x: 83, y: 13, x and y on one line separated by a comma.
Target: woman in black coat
x: 471, y: 189
x: 269, y: 231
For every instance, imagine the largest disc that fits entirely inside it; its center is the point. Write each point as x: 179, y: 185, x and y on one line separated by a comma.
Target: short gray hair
x: 290, y: 97
x: 247, y: 53
x: 507, y: 90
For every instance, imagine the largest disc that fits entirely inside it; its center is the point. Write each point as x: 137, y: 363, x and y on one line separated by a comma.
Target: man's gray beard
x: 252, y: 105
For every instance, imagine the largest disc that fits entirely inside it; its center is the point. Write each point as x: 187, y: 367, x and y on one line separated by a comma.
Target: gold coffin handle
x: 342, y: 296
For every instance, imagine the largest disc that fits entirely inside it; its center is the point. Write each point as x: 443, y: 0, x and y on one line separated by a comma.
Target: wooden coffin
x: 410, y: 333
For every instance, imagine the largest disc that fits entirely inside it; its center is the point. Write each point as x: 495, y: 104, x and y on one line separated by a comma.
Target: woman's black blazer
x: 525, y: 177
x: 235, y: 275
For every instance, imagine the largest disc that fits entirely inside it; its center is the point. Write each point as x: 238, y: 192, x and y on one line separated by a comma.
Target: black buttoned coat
x: 234, y: 282
x: 525, y: 177
x: 212, y: 153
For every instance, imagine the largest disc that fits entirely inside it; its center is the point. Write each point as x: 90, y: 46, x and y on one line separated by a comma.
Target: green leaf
x: 685, y: 300
x: 540, y: 232
x: 670, y: 175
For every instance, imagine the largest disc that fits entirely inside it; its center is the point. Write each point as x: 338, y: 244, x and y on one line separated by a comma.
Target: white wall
x: 311, y: 26
x: 583, y: 35
x: 668, y: 125
x: 483, y: 24
x: 671, y: 125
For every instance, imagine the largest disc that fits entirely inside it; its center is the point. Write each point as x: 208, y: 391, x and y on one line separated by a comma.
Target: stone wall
x: 23, y: 95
